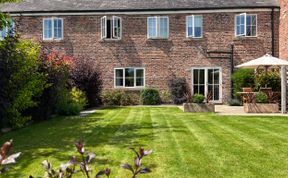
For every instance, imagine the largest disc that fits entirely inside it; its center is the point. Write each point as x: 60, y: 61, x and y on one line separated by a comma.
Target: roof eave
x: 144, y: 10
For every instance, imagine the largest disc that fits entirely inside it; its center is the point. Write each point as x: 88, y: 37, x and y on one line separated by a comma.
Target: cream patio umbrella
x: 270, y: 61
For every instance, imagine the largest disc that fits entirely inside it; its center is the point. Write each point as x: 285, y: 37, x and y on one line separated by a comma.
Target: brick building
x: 284, y: 29
x: 144, y: 43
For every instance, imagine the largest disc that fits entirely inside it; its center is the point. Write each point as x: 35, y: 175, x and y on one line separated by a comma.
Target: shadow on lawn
x: 56, y: 138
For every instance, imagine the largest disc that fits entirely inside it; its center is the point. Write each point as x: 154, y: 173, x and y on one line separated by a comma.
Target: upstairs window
x: 129, y: 78
x: 246, y: 25
x: 7, y: 31
x: 194, y: 26
x: 158, y: 27
x: 52, y: 29
x: 111, y: 27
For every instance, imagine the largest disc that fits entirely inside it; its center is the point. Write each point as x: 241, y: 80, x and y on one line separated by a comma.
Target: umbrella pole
x: 283, y: 89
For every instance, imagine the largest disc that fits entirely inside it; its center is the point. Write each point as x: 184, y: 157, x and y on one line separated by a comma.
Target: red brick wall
x: 161, y: 58
x: 284, y: 29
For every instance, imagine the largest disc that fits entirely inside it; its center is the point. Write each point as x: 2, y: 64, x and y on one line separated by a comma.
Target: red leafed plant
x: 69, y: 169
x: 56, y: 59
x: 138, y: 169
x: 5, y: 159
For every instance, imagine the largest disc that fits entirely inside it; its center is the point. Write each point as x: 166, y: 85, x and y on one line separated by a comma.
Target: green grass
x: 184, y: 144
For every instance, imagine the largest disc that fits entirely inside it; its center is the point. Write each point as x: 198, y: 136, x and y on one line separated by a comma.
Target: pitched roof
x: 131, y: 5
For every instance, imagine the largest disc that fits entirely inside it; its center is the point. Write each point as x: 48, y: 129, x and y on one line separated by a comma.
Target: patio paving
x: 239, y: 111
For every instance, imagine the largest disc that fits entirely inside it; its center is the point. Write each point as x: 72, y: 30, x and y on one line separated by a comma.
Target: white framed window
x: 129, y: 77
x: 208, y: 82
x: 194, y: 26
x: 246, y: 25
x: 158, y: 27
x: 111, y: 27
x: 7, y: 31
x: 53, y: 28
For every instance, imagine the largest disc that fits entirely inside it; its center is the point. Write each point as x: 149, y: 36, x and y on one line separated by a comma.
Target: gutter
x: 175, y: 10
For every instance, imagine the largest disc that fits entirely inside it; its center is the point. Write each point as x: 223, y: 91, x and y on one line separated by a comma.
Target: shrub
x: 150, y: 96
x: 198, y: 98
x: 119, y: 98
x: 234, y: 102
x: 87, y: 77
x: 111, y: 97
x: 261, y: 97
x: 20, y: 80
x: 165, y: 96
x: 243, y: 78
x: 178, y: 88
x: 271, y: 79
x: 56, y: 67
x: 71, y: 103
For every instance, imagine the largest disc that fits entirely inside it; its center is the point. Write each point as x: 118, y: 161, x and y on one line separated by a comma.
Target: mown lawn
x: 185, y: 145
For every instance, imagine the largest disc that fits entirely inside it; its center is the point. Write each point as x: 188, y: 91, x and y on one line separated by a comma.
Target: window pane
x: 57, y: 28
x: 195, y: 76
x: 152, y: 27
x: 163, y: 27
x: 198, y: 32
x: 202, y: 76
x: 139, y: 77
x: 202, y: 90
x: 119, y: 73
x: 216, y: 92
x: 253, y: 29
x: 254, y: 20
x: 119, y: 77
x: 198, y: 21
x: 140, y: 82
x: 189, y: 26
x: 248, y: 20
x: 195, y: 89
x: 129, y: 77
x: 119, y: 82
x: 248, y: 31
x: 139, y: 73
x: 47, y: 28
x: 210, y: 76
x: 109, y: 28
x: 189, y: 21
x: 216, y: 76
x: 117, y: 27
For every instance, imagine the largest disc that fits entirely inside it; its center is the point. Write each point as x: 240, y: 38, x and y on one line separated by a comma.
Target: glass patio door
x: 207, y: 81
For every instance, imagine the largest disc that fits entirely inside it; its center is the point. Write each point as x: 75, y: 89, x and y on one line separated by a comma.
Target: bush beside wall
x: 178, y: 88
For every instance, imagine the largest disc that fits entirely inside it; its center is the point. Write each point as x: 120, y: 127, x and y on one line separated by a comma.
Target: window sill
x: 157, y: 38
x: 110, y: 40
x: 129, y: 88
x: 245, y: 37
x: 193, y: 39
x: 49, y: 41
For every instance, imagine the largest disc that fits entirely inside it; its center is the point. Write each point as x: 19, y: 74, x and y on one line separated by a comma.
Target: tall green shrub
x: 57, y: 68
x: 20, y: 80
x: 243, y: 78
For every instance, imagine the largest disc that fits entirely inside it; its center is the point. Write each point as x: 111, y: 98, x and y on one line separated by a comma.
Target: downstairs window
x: 129, y: 77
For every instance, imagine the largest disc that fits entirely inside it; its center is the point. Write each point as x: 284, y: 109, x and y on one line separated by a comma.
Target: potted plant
x: 198, y: 105
x: 262, y: 105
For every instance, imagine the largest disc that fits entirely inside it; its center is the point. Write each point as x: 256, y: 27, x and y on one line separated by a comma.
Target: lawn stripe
x: 246, y: 138
x: 267, y: 128
x: 168, y: 150
x: 229, y: 151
